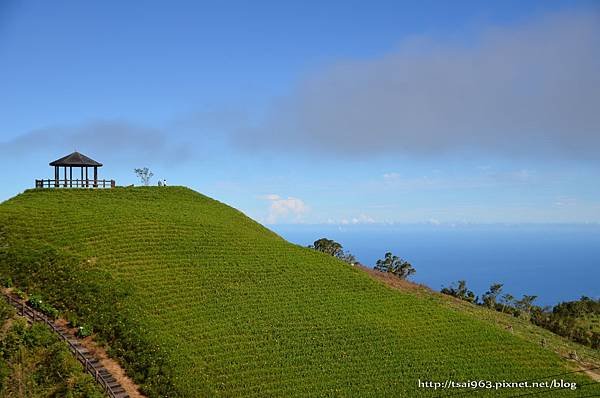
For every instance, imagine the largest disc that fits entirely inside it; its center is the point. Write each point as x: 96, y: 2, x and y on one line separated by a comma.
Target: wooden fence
x: 35, y: 316
x: 50, y: 183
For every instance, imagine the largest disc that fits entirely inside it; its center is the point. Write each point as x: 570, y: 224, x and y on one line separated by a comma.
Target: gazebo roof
x: 76, y: 159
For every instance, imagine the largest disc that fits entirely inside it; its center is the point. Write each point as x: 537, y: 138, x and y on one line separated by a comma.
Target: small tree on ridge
x: 327, y: 246
x: 334, y: 249
x: 490, y: 298
x: 395, y: 265
x: 144, y: 174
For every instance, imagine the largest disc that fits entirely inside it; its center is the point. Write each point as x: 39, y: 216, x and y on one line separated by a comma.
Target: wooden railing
x: 34, y: 316
x: 49, y: 183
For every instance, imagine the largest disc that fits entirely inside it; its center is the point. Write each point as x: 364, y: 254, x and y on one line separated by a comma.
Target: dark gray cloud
x: 106, y: 139
x: 530, y: 89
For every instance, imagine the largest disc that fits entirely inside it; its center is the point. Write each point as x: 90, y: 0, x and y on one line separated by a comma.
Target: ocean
x: 554, y: 262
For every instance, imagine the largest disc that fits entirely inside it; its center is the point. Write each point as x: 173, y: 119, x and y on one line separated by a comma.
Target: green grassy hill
x: 199, y: 300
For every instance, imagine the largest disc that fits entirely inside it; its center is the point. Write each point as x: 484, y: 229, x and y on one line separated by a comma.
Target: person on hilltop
x: 160, y: 183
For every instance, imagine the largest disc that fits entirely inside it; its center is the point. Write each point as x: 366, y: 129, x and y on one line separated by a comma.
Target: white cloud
x: 363, y: 219
x: 565, y: 201
x: 391, y: 177
x: 271, y: 196
x: 288, y: 209
x: 360, y: 219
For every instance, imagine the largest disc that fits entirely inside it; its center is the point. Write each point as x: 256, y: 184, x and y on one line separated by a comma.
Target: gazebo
x: 80, y: 161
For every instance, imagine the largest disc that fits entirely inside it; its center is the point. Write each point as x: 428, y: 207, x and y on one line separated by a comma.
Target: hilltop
x: 196, y: 299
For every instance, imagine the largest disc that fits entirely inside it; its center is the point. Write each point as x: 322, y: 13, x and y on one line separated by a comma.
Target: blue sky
x: 316, y: 112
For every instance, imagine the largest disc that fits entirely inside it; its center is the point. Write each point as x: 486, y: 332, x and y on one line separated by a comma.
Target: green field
x: 199, y: 300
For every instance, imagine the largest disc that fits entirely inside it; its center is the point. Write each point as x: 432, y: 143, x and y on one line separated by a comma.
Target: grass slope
x: 235, y: 310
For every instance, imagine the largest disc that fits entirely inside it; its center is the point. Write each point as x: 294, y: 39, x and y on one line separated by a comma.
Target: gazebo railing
x: 52, y: 183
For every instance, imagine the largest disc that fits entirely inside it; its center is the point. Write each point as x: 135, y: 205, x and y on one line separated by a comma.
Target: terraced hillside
x: 199, y: 300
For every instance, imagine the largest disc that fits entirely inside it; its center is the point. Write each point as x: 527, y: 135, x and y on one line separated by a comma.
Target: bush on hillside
x: 35, y: 301
x: 6, y: 311
x: 576, y: 320
x: 84, y: 331
x: 7, y: 281
x: 20, y: 294
x: 72, y: 319
x: 334, y: 249
x: 460, y: 290
x: 395, y: 266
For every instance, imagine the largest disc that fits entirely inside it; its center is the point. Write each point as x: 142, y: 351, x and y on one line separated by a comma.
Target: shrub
x: 395, y: 265
x: 20, y: 294
x: 36, y: 302
x: 6, y: 311
x: 7, y: 281
x: 72, y: 319
x: 84, y: 331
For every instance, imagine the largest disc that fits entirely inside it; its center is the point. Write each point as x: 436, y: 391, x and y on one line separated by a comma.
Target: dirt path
x: 108, y: 363
x: 591, y: 371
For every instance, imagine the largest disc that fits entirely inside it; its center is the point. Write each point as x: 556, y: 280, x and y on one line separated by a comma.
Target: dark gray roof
x: 76, y: 159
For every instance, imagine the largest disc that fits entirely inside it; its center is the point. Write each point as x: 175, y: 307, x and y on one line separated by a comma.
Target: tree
x: 526, y: 303
x: 573, y: 319
x: 395, y: 265
x: 334, y: 249
x: 327, y: 246
x: 507, y: 301
x: 348, y: 258
x: 460, y: 290
x: 144, y: 175
x: 490, y: 298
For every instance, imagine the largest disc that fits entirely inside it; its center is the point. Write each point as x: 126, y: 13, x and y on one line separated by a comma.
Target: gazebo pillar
x: 95, y: 177
x: 56, y: 176
x: 81, y: 181
x: 86, y: 177
x: 65, y: 173
x: 71, y: 177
